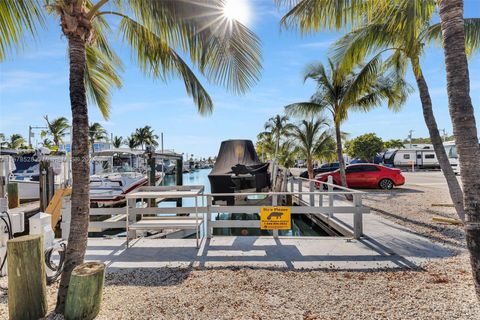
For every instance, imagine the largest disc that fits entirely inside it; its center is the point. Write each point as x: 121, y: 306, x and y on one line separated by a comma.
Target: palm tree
x: 57, y: 128
x: 340, y: 91
x: 313, y: 140
x: 405, y: 42
x: 224, y: 50
x: 96, y: 133
x: 145, y: 136
x: 16, y: 142
x: 454, y: 31
x: 131, y: 142
x: 117, y: 141
x: 287, y: 153
x: 279, y: 127
x: 265, y: 145
x: 47, y: 143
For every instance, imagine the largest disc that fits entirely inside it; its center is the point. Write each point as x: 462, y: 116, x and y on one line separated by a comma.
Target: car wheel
x: 386, y: 184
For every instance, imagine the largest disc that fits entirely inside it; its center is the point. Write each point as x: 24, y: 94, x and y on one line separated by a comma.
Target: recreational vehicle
x: 420, y: 158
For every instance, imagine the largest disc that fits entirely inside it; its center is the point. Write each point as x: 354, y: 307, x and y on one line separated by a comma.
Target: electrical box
x: 41, y: 223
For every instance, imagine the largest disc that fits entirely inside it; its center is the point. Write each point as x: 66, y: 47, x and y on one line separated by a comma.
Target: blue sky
x: 35, y: 83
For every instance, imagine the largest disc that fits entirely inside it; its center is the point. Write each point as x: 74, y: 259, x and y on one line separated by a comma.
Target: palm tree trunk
x: 341, y: 161
x: 77, y: 239
x: 310, y: 168
x: 453, y: 186
x: 464, y: 126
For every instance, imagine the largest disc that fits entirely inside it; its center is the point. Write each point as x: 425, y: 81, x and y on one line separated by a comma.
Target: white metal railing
x: 324, y: 204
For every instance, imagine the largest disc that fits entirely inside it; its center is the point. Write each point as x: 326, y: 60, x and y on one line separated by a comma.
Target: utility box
x: 41, y: 223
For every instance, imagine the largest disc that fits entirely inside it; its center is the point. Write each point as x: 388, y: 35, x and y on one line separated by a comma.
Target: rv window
x: 406, y: 156
x: 429, y: 156
x: 419, y: 156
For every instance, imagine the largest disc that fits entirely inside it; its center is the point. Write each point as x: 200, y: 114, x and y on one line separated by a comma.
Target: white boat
x: 117, y: 172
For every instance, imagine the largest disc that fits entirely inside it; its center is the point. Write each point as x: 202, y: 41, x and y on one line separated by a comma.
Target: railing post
x: 357, y: 216
x: 131, y: 218
x: 209, y: 216
x: 274, y: 203
x: 312, y: 196
x: 291, y: 184
x: 330, y: 195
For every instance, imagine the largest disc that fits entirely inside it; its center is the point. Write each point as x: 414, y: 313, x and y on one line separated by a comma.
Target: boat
x: 238, y: 169
x: 115, y: 173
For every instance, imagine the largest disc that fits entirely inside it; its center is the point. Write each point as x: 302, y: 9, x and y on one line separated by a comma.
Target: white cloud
x: 318, y: 44
x: 28, y: 80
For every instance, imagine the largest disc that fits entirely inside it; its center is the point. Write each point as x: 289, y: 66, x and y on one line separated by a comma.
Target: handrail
x: 329, y: 184
x: 279, y: 193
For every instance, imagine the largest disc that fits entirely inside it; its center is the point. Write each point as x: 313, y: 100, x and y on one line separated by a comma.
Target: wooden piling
x: 27, y: 291
x: 85, y: 290
x: 13, y: 195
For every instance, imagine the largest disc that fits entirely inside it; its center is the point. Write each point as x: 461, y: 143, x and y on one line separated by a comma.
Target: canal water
x: 301, y: 224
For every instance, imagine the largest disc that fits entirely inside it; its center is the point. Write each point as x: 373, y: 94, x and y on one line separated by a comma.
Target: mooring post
x: 330, y: 195
x: 152, y: 176
x: 179, y: 177
x: 312, y: 195
x: 357, y: 216
x: 13, y: 195
x: 300, y: 189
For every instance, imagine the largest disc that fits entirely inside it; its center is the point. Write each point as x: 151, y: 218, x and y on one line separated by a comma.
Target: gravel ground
x: 443, y: 290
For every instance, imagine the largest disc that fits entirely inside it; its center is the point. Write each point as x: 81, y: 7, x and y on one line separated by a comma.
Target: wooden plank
x: 55, y: 206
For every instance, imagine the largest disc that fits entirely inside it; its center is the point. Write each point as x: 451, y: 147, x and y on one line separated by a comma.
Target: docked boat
x: 238, y: 169
x: 117, y: 172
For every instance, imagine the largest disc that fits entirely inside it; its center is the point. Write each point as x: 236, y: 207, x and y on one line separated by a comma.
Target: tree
x: 96, y: 133
x: 279, y: 127
x: 117, y: 141
x: 341, y: 90
x: 145, y: 136
x: 265, y: 145
x: 313, y: 140
x: 16, y: 141
x: 405, y: 43
x: 47, y: 143
x: 225, y: 52
x: 287, y: 153
x: 393, y: 144
x: 57, y: 129
x: 365, y: 147
x: 454, y: 31
x: 131, y: 142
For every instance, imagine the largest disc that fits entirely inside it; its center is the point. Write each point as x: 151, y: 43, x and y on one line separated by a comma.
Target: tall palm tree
x: 405, y: 43
x: 131, y: 141
x: 340, y: 90
x: 145, y: 136
x: 47, y: 143
x: 225, y: 52
x: 96, y: 133
x: 117, y: 141
x: 57, y: 128
x: 313, y: 140
x: 287, y: 153
x: 454, y: 31
x: 16, y: 141
x: 279, y: 127
x: 265, y: 145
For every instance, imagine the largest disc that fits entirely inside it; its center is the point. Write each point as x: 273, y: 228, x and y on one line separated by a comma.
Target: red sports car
x: 366, y: 176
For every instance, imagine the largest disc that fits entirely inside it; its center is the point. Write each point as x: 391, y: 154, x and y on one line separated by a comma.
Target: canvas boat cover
x: 237, y: 157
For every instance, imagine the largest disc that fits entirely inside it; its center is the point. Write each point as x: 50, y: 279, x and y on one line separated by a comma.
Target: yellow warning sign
x: 275, y: 218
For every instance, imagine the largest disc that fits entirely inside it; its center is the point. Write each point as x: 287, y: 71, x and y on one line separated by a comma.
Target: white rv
x: 419, y: 158
x: 451, y: 150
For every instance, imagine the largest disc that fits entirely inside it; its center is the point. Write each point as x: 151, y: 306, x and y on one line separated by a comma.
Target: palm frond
x: 305, y: 109
x: 159, y: 60
x: 101, y: 76
x: 17, y: 19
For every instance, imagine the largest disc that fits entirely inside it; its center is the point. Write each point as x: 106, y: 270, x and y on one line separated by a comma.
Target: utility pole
x: 444, y: 135
x: 410, y: 137
x: 31, y: 134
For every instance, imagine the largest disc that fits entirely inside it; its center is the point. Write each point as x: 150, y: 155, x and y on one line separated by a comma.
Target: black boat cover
x: 238, y: 157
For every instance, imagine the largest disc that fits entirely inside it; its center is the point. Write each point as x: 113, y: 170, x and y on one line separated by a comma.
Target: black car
x: 326, y: 167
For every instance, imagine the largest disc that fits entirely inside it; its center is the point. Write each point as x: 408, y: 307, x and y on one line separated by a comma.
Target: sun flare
x: 237, y: 10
